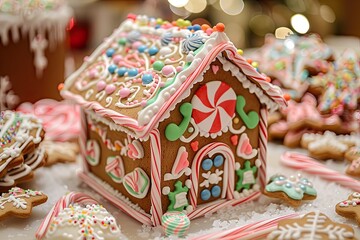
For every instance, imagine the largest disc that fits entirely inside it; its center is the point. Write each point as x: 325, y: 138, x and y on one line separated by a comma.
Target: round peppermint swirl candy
x: 166, y: 38
x: 133, y: 36
x: 175, y: 223
x: 192, y: 42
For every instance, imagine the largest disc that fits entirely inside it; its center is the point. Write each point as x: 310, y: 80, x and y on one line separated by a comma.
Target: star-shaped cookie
x: 19, y: 202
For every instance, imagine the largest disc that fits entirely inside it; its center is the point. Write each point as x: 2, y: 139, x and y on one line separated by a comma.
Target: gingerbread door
x: 212, y: 174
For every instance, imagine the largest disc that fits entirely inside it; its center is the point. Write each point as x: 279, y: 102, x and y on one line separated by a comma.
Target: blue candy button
x: 132, y: 72
x: 205, y: 194
x: 215, y: 191
x: 112, y: 68
x: 147, y: 78
x: 207, y: 164
x: 218, y: 160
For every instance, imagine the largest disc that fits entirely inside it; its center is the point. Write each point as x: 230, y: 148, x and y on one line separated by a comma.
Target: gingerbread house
x: 175, y: 119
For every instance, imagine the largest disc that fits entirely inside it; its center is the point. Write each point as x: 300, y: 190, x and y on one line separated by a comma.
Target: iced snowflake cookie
x: 329, y: 145
x: 19, y: 202
x: 312, y: 226
x: 19, y: 135
x: 293, y: 189
x: 350, y: 208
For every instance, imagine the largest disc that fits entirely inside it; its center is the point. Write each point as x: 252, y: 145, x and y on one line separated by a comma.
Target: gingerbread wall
x: 170, y: 148
x: 113, y: 139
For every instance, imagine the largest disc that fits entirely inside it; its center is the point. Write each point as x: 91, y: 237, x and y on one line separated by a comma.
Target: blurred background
x: 247, y: 21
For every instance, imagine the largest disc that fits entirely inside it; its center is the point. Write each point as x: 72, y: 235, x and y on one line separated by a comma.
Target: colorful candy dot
x: 101, y: 85
x: 142, y: 48
x: 279, y: 65
x: 112, y: 68
x: 124, y: 92
x: 121, y: 71
x: 122, y: 41
x: 240, y: 51
x: 132, y: 72
x: 207, y: 164
x: 60, y: 86
x: 215, y: 191
x: 153, y: 50
x: 158, y: 65
x: 110, y: 52
x: 218, y: 160
x: 147, y: 78
x: 220, y: 27
x: 205, y: 194
x: 196, y: 27
x: 168, y: 70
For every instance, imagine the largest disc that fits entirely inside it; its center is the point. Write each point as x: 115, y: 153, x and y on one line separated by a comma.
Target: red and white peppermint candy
x: 213, y: 106
x: 115, y: 168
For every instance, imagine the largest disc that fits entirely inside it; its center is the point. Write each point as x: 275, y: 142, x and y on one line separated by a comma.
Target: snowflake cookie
x: 292, y: 190
x: 19, y: 202
x: 312, y: 226
x: 350, y: 208
x: 83, y: 222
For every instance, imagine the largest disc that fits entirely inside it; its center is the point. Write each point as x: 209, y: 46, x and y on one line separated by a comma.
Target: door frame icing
x: 229, y: 170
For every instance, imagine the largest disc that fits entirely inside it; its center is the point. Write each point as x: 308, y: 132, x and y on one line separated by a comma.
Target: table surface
x: 59, y: 179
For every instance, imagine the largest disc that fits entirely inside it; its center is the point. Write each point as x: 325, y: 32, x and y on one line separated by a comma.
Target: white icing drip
x: 8, y: 99
x: 38, y: 46
x: 51, y: 23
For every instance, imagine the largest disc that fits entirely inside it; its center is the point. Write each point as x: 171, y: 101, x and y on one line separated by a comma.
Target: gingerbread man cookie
x: 19, y: 202
x: 312, y: 226
x: 350, y: 208
x: 293, y: 189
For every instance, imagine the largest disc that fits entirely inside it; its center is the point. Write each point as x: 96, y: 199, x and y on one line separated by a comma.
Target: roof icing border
x: 152, y: 115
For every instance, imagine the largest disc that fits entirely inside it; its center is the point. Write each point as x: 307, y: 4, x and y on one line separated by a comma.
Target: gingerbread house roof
x: 137, y: 75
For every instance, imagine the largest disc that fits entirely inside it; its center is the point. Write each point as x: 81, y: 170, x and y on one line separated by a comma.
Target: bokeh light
x: 178, y: 3
x: 182, y: 12
x: 261, y: 25
x: 300, y: 23
x: 283, y: 32
x: 327, y: 13
x: 232, y: 7
x: 195, y: 6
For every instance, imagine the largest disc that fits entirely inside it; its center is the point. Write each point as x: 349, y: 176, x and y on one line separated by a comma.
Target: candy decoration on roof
x: 192, y: 42
x: 214, y: 107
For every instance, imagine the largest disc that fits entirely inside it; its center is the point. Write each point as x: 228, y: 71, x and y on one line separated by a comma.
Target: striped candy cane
x: 263, y: 146
x: 307, y: 164
x: 63, y: 202
x: 257, y: 230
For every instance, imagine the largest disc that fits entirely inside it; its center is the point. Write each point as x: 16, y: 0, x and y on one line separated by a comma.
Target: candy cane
x: 302, y: 162
x: 257, y: 230
x: 263, y: 146
x: 63, y: 202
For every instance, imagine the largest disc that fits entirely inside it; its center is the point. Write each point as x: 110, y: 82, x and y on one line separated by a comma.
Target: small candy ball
x: 165, y: 51
x: 132, y: 72
x: 110, y: 52
x: 175, y: 223
x: 220, y: 27
x: 117, y: 59
x: 142, y: 48
x: 112, y: 68
x: 153, y: 50
x: 168, y: 70
x: 196, y: 27
x: 136, y: 45
x: 109, y: 89
x: 147, y: 78
x: 122, y: 41
x: 158, y: 65
x: 124, y: 92
x: 100, y: 85
x: 121, y: 71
